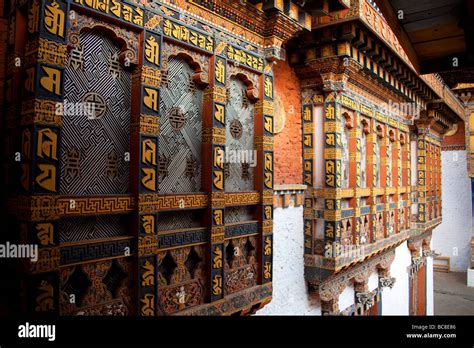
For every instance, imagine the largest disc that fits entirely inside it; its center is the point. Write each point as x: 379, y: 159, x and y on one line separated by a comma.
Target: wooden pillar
x: 356, y: 135
x: 213, y: 172
x: 333, y: 173
x: 363, y: 298
x: 330, y: 307
x: 406, y: 178
x: 308, y: 174
x: 44, y: 63
x: 144, y: 145
x: 396, y: 177
x: 384, y: 177
x: 421, y: 180
x: 263, y: 123
x: 439, y: 168
x: 372, y: 173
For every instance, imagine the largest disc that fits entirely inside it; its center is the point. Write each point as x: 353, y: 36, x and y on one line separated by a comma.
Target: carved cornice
x: 371, y: 35
x: 414, y: 244
x: 420, y: 241
x: 267, y: 28
x: 338, y: 74
x: 318, y: 268
x: 331, y: 288
x: 363, y: 277
x: 281, y: 26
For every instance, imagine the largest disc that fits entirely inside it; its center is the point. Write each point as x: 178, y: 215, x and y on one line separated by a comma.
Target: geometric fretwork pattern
x: 180, y: 219
x: 239, y: 214
x: 239, y: 139
x: 88, y: 228
x: 180, y: 130
x: 94, y: 154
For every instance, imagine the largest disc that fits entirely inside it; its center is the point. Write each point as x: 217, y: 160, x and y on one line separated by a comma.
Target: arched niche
x: 198, y: 62
x: 125, y: 39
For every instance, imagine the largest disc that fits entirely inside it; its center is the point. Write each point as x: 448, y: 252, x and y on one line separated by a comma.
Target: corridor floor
x: 451, y: 294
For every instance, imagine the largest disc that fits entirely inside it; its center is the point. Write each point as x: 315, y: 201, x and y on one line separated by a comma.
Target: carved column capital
x: 385, y: 282
x: 362, y: 278
x: 426, y: 247
x: 416, y: 263
x: 330, y: 307
x: 386, y: 263
x: 429, y: 253
x: 334, y: 82
x: 365, y: 299
x: 331, y: 291
x: 414, y: 247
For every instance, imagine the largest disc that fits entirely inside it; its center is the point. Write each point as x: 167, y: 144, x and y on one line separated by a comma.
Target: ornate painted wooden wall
x: 372, y: 163
x: 133, y: 205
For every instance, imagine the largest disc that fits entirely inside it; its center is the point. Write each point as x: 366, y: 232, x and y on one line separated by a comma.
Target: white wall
x: 452, y: 237
x: 395, y: 301
x: 373, y: 282
x: 290, y: 295
x: 347, y: 297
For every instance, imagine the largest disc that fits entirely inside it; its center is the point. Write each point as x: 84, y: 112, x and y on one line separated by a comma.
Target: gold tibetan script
x: 45, y: 233
x: 151, y: 99
x: 218, y: 220
x: 217, y: 259
x: 219, y: 115
x: 268, y: 87
x: 220, y: 71
x: 149, y: 152
x: 55, y: 19
x: 52, y: 81
x: 47, y: 144
x: 148, y: 224
x: 152, y: 51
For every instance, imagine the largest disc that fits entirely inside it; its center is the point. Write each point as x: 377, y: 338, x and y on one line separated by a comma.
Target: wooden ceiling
x: 433, y: 26
x: 435, y: 31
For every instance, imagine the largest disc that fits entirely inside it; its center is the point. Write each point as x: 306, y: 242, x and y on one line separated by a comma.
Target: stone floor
x: 451, y: 294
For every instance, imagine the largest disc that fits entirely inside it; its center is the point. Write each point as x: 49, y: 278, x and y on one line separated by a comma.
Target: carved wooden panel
x: 181, y: 128
x: 101, y: 288
x: 125, y: 177
x: 181, y: 278
x: 96, y: 123
x: 239, y: 169
x: 241, y: 264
